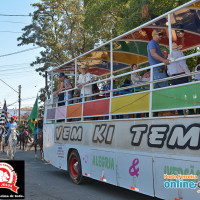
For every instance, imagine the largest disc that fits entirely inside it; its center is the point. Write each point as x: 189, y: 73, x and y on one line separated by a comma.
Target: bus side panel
x: 53, y: 153
x: 134, y: 172
x: 103, y: 166
x: 48, y: 141
x: 175, y: 167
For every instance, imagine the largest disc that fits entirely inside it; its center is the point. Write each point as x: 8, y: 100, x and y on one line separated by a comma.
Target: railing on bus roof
x: 114, y: 116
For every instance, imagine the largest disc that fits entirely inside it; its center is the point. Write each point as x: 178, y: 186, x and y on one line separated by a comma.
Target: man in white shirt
x: 84, y: 79
x: 179, y: 67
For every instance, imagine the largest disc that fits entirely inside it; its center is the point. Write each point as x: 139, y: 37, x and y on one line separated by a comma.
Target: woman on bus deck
x: 135, y: 77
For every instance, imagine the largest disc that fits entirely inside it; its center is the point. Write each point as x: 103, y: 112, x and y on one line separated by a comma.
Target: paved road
x: 45, y: 182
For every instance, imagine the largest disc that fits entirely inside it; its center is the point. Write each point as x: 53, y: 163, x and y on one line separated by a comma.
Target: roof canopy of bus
x: 131, y: 47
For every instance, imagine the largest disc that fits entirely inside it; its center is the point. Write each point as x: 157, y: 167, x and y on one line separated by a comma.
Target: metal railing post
x: 170, y: 35
x: 111, y: 78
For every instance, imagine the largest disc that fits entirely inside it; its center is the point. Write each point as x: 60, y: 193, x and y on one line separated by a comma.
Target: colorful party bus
x: 132, y: 135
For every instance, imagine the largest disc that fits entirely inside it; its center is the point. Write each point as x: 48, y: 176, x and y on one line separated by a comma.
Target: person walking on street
x: 155, y: 57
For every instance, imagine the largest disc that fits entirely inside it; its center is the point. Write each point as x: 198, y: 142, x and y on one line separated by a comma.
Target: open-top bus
x: 104, y: 138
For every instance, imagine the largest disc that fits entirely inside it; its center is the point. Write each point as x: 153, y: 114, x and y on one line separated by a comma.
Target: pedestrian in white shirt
x: 179, y: 67
x: 84, y: 79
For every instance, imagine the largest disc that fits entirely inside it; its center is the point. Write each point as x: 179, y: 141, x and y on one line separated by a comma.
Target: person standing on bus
x: 178, y: 68
x: 67, y: 86
x: 155, y: 57
x: 135, y: 77
x: 64, y: 84
x: 84, y: 79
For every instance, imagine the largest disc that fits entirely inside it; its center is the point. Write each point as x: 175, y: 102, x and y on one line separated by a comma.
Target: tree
x: 57, y: 26
x: 121, y: 16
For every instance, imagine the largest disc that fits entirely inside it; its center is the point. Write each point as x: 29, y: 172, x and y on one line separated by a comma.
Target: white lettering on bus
x: 73, y: 133
x: 138, y: 131
x: 157, y: 135
x: 101, y: 133
x: 76, y: 133
x: 179, y: 137
x: 66, y: 132
x: 59, y: 131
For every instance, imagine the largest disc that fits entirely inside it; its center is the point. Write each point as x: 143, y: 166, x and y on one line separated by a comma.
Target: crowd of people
x: 155, y: 56
x: 13, y: 124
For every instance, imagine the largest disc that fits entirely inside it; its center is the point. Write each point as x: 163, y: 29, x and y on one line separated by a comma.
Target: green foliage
x: 57, y: 27
x: 122, y: 15
x: 191, y: 62
x: 66, y: 28
x: 20, y: 127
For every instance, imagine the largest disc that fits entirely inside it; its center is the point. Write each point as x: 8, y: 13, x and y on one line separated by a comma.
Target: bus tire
x: 74, y: 167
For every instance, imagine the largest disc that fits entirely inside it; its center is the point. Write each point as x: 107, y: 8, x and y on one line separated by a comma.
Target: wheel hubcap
x: 74, y: 167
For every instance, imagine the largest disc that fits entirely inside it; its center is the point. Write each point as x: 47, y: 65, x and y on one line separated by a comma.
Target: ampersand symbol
x: 132, y: 170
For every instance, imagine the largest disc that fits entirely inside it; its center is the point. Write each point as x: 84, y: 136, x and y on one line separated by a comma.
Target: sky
x: 15, y: 69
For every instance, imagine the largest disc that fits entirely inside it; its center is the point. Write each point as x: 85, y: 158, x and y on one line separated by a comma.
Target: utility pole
x: 20, y: 103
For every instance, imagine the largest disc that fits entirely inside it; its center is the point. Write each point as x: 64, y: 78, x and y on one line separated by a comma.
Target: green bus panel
x: 178, y: 97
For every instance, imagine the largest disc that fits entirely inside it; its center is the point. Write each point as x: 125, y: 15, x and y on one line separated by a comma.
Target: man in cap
x: 84, y: 78
x: 155, y: 57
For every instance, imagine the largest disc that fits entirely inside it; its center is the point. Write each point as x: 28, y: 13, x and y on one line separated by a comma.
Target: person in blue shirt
x: 155, y: 57
x: 11, y: 124
x: 39, y: 126
x: 107, y: 87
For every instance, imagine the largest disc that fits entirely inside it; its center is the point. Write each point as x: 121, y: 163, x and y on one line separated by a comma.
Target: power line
x: 12, y: 65
x: 6, y: 15
x: 13, y: 22
x: 19, y: 72
x: 12, y: 103
x: 29, y: 98
x: 9, y: 32
x: 8, y: 85
x: 16, y: 69
x: 19, y: 52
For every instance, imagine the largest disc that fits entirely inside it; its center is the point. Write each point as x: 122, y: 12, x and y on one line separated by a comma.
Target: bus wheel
x: 74, y: 167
